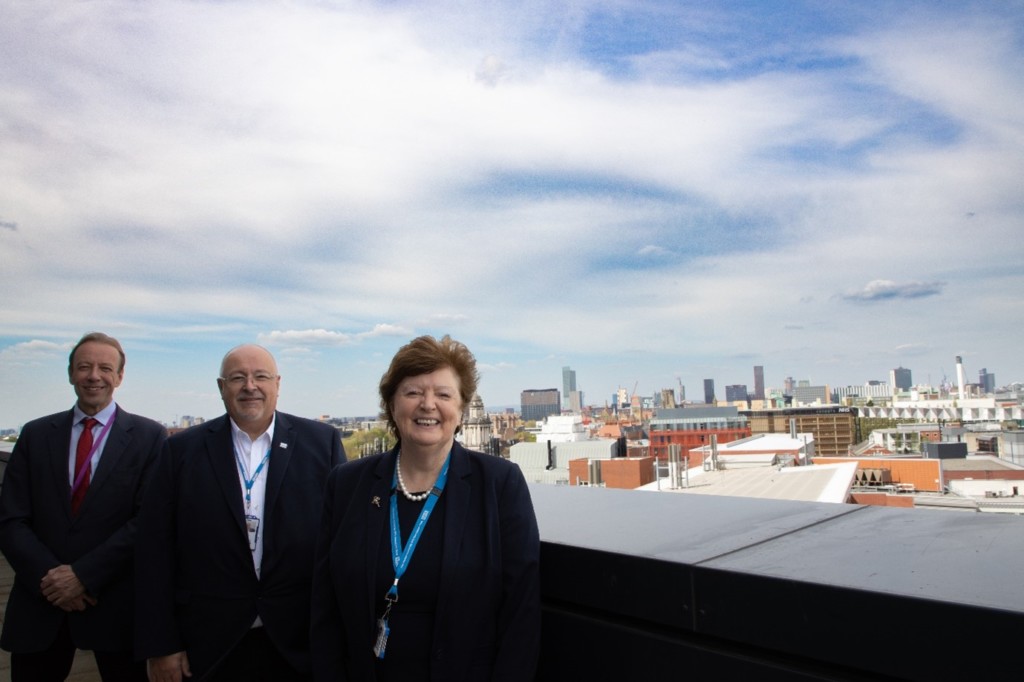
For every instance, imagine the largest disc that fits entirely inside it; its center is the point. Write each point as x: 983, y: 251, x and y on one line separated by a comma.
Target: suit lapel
x: 118, y: 439
x: 220, y: 450
x: 377, y: 520
x: 458, y: 491
x: 280, y: 456
x: 59, y: 447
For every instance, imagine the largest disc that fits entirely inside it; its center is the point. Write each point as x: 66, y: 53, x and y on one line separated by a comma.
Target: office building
x: 692, y: 427
x: 758, y: 382
x: 536, y: 404
x: 873, y: 390
x: 709, y: 391
x: 899, y: 379
x: 810, y: 395
x: 736, y: 392
x: 986, y: 381
x: 834, y: 428
x: 568, y: 385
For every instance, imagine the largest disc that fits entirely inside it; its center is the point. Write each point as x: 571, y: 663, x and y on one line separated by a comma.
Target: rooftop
x: 822, y: 483
x: 713, y: 587
x: 979, y: 463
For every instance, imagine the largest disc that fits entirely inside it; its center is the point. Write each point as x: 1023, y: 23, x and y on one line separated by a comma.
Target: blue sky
x: 649, y: 192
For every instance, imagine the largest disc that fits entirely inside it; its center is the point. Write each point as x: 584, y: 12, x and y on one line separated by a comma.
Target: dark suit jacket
x: 197, y: 588
x: 487, y: 623
x: 38, y: 532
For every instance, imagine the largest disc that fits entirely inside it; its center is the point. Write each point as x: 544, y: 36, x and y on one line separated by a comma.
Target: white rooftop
x: 818, y: 483
x: 776, y: 442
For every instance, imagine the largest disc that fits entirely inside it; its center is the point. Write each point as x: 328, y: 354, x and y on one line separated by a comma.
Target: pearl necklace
x: 401, y: 484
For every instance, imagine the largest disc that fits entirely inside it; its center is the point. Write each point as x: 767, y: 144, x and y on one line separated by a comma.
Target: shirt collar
x: 241, y: 436
x: 102, y: 416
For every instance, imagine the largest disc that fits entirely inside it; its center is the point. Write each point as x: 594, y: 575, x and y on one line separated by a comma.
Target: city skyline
x: 605, y: 399
x: 650, y: 193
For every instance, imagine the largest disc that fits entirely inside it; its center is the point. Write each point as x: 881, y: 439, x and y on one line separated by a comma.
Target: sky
x: 652, y: 193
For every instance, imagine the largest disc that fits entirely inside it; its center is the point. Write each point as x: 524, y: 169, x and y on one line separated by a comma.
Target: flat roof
x: 982, y: 463
x: 775, y: 442
x: 819, y: 483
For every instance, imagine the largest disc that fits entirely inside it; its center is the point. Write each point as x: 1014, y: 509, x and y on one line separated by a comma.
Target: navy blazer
x: 197, y: 589
x: 487, y: 623
x: 38, y: 531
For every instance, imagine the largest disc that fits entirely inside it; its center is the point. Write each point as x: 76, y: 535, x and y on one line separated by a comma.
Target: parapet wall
x: 662, y: 586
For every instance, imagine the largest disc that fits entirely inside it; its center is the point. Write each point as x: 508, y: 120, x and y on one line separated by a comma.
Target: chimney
x: 960, y: 378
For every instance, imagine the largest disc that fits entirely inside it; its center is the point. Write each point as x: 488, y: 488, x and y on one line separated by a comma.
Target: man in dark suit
x: 68, y: 509
x: 227, y: 536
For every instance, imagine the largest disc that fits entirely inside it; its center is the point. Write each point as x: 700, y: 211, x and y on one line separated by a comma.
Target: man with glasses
x: 226, y: 536
x: 71, y: 496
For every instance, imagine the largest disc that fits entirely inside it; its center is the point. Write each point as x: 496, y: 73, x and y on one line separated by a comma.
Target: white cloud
x: 33, y: 352
x: 185, y: 172
x: 319, y: 337
x: 386, y: 330
x: 884, y: 290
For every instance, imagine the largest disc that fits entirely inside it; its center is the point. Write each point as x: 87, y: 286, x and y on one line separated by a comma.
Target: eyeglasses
x: 240, y: 380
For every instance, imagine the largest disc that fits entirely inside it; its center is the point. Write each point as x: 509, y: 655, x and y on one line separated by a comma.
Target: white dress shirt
x: 103, y: 416
x: 250, y: 453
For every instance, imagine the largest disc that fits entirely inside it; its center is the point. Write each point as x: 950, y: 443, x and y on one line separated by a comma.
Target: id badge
x: 382, y: 638
x: 252, y: 527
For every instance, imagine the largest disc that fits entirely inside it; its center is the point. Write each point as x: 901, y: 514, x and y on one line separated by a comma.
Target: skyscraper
x: 987, y: 381
x: 899, y: 379
x: 735, y: 392
x: 568, y: 385
x: 709, y: 391
x: 758, y: 382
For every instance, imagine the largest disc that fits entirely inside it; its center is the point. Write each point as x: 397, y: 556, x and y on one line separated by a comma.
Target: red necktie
x: 82, y: 459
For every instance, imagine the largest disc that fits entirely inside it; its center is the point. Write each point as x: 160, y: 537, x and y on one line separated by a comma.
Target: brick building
x: 834, y: 427
x: 621, y: 472
x: 692, y: 427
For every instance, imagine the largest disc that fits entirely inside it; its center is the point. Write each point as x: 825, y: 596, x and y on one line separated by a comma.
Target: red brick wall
x: 578, y: 469
x: 925, y: 474
x: 621, y: 472
x: 689, y: 440
x: 627, y: 473
x: 882, y: 499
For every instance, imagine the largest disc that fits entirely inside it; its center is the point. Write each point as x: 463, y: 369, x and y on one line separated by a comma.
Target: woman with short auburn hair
x: 423, y: 355
x: 427, y: 561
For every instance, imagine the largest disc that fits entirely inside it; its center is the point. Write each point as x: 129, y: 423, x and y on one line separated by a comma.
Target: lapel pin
x: 375, y: 501
x: 284, y: 446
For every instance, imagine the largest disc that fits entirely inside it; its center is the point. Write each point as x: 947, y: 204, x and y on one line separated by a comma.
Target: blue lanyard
x: 401, y: 557
x: 249, y: 482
